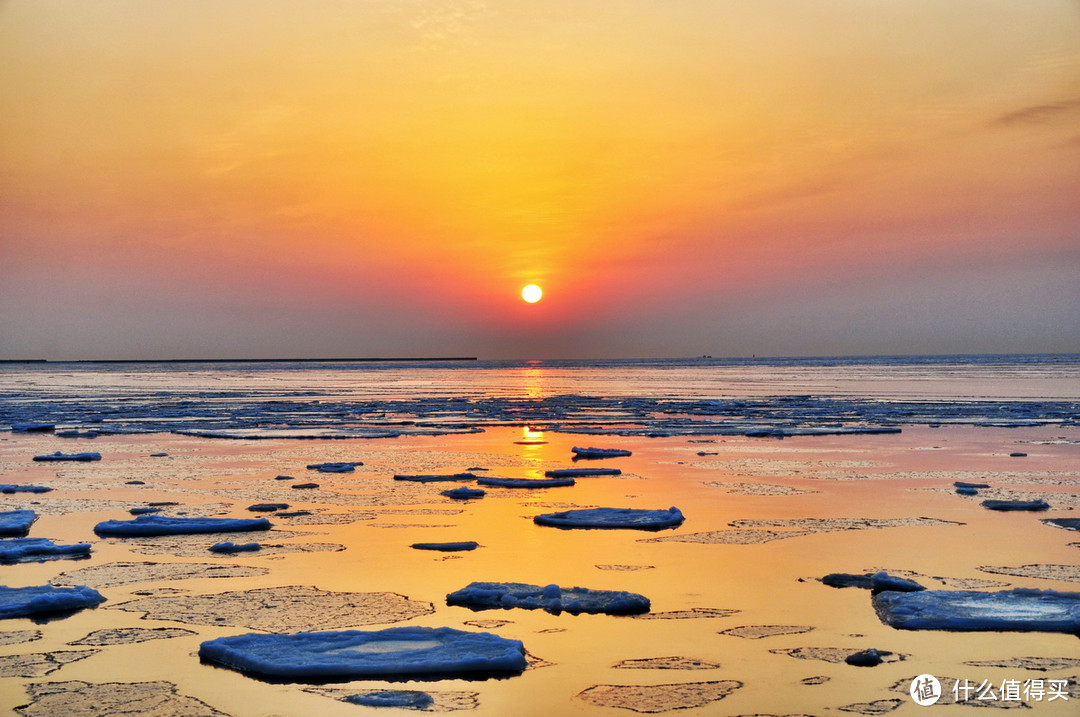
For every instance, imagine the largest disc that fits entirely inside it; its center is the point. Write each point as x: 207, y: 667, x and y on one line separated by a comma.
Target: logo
x: 925, y: 690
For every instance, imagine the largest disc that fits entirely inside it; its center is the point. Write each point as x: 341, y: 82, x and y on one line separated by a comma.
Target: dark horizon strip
x: 259, y: 360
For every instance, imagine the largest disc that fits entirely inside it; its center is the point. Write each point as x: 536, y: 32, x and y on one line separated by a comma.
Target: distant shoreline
x: 390, y: 359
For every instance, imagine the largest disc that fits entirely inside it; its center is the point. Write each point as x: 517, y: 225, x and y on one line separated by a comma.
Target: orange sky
x: 258, y: 179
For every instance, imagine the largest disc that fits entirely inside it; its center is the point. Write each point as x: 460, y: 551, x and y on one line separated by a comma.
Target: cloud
x: 1040, y: 114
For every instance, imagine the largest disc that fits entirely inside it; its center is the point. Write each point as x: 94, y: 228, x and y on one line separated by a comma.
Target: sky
x: 317, y: 179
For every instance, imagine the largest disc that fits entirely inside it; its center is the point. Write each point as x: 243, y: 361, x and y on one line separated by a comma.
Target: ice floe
x: 402, y: 699
x: 111, y: 698
x: 835, y: 655
x: 631, y: 518
x: 343, y: 467
x: 526, y: 482
x: 757, y: 632
x: 434, y: 478
x: 659, y: 698
x: 267, y: 507
x: 868, y: 658
x: 16, y: 522
x: 1022, y: 610
x: 395, y: 652
x: 39, y: 664
x: 27, y: 550
x: 448, y: 547
x: 131, y: 635
x: 582, y: 472
x: 666, y: 663
x: 111, y: 575
x: 440, y: 701
x: 286, y: 608
x: 464, y: 493
x: 161, y: 525
x: 230, y: 548
x: 1007, y: 505
x: 1067, y: 523
x: 45, y: 599
x: 552, y: 598
x: 58, y: 456
x: 10, y: 488
x: 591, y: 452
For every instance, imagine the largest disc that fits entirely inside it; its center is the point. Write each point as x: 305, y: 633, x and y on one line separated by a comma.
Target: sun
x: 532, y: 293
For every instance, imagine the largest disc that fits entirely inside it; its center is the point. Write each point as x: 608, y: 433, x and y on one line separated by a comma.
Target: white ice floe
x: 632, y: 518
x: 58, y: 456
x: 45, y: 599
x: 591, y: 452
x: 526, y: 482
x: 162, y: 525
x: 552, y: 598
x: 1018, y: 610
x: 16, y: 522
x: 356, y: 654
x: 27, y: 550
x: 435, y: 478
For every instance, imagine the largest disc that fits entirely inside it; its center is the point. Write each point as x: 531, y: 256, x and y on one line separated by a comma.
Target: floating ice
x: 435, y: 478
x: 9, y: 488
x: 144, y: 511
x: 404, y: 699
x: 1019, y: 610
x: 16, y: 522
x: 1067, y: 523
x: 345, y: 467
x: 45, y: 599
x: 1005, y: 505
x: 591, y: 452
x: 526, y: 482
x: 633, y: 518
x: 29, y: 427
x: 582, y: 472
x: 962, y: 490
x: 464, y: 493
x: 161, y: 525
x: 964, y: 484
x: 877, y: 581
x: 267, y: 507
x: 58, y: 456
x: 228, y: 547
x: 552, y: 598
x: 304, y: 486
x: 447, y: 547
x: 356, y: 654
x: 867, y: 658
x: 26, y: 550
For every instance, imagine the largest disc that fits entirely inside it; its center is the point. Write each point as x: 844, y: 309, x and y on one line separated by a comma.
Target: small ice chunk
x: 867, y: 658
x: 447, y: 547
x: 304, y: 486
x: 26, y: 550
x: 632, y: 518
x: 847, y: 580
x: 10, y: 488
x: 1019, y: 610
x: 963, y: 490
x: 434, y: 478
x: 357, y: 654
x: 884, y: 581
x: 552, y: 598
x: 1018, y: 454
x: 1005, y: 505
x: 526, y: 482
x: 162, y: 525
x: 58, y: 456
x: 582, y: 472
x: 464, y: 493
x: 45, y: 599
x: 591, y: 452
x: 16, y: 522
x: 965, y: 484
x: 228, y: 547
x: 33, y: 427
x: 343, y: 467
x: 267, y: 507
x: 146, y: 510
x: 405, y: 699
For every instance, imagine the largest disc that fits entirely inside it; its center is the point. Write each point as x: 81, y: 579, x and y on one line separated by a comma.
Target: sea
x: 372, y: 398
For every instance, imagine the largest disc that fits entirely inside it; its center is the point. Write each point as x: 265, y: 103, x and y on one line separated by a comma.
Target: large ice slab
x: 45, y: 599
x: 16, y: 522
x: 434, y: 478
x: 526, y: 482
x: 552, y: 598
x: 12, y: 488
x: 1006, y: 505
x: 357, y: 654
x: 58, y: 456
x: 163, y: 525
x: 28, y: 550
x: 464, y: 493
x: 632, y: 518
x: 1019, y: 610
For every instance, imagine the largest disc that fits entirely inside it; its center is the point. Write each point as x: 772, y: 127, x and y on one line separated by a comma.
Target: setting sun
x: 532, y: 293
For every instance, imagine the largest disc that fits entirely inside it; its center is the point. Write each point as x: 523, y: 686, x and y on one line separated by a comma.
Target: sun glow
x: 532, y: 293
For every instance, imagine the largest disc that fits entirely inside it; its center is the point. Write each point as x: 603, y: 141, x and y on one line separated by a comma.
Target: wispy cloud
x: 1040, y: 114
